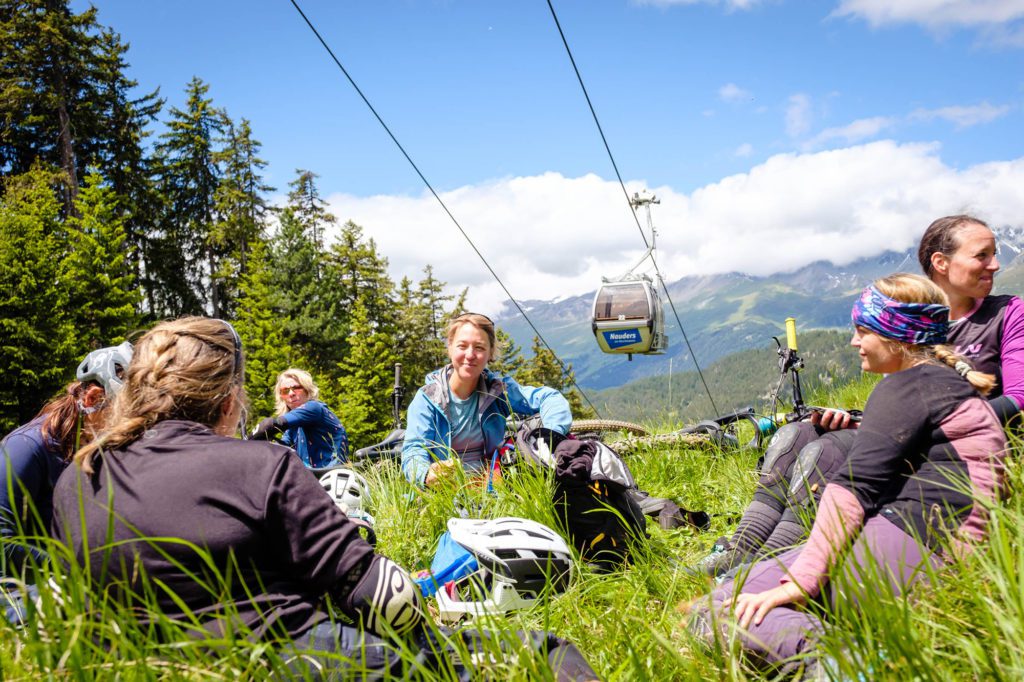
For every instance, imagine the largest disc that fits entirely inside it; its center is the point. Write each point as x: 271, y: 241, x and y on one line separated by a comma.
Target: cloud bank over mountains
x: 550, y: 236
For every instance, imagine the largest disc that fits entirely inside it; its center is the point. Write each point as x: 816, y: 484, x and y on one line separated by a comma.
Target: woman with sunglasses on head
x: 33, y: 456
x: 459, y: 414
x: 307, y: 425
x: 253, y: 541
x: 927, y: 459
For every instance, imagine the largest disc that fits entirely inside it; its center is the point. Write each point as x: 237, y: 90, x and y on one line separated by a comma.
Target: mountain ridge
x: 728, y: 312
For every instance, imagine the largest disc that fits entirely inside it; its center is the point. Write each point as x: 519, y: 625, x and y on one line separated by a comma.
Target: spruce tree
x: 261, y: 327
x: 310, y: 209
x: 510, y: 361
x: 363, y: 391
x: 432, y: 297
x: 189, y: 177
x: 64, y: 94
x: 305, y: 303
x: 103, y: 296
x: 240, y: 209
x: 417, y: 347
x: 543, y: 369
x: 39, y: 338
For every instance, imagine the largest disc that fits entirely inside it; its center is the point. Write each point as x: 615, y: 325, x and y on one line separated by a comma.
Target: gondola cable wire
x: 625, y: 193
x: 565, y: 370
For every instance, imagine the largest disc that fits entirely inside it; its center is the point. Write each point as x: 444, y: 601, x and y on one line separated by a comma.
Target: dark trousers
x: 786, y: 631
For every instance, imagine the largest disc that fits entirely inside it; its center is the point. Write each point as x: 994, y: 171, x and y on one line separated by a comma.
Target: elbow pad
x: 385, y: 598
x: 1005, y: 408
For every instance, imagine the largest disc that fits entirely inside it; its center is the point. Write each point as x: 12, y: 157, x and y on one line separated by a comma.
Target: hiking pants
x: 788, y: 631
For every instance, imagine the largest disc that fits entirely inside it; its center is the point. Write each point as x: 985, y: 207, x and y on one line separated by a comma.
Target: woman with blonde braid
x: 927, y: 458
x: 170, y: 467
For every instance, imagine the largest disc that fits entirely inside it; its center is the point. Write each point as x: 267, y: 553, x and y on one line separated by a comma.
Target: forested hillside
x: 107, y: 225
x: 743, y: 379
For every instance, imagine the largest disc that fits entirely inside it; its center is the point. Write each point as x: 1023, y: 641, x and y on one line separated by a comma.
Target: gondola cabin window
x: 622, y: 302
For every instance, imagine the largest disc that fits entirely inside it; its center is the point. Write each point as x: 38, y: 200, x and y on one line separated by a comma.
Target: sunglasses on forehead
x: 237, y: 343
x: 465, y: 315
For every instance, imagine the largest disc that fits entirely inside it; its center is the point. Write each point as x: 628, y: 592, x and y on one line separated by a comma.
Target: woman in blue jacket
x: 308, y: 426
x: 460, y: 412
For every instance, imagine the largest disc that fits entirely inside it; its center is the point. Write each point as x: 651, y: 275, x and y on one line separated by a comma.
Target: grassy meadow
x: 967, y: 624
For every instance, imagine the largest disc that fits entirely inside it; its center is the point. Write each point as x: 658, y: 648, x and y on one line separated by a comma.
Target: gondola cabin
x: 628, y: 317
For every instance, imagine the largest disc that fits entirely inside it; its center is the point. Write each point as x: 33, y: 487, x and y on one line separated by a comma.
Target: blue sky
x: 840, y: 127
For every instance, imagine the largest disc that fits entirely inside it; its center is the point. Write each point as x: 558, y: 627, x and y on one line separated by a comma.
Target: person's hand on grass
x: 752, y: 608
x: 442, y: 469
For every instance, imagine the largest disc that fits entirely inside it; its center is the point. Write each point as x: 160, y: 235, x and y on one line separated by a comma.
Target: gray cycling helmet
x: 107, y: 367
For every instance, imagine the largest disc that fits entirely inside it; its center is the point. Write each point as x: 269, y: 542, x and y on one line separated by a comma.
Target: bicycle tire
x: 598, y: 425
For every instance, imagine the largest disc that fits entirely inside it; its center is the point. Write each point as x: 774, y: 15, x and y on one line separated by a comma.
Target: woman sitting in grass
x: 958, y: 253
x: 459, y: 415
x: 307, y: 425
x: 33, y: 455
x: 927, y: 458
x: 170, y: 512
x: 228, y: 535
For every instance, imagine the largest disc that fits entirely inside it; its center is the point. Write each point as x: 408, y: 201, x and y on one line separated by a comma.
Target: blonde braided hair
x: 182, y: 369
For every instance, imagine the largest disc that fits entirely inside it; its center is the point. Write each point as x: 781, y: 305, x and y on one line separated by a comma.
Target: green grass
x: 967, y: 625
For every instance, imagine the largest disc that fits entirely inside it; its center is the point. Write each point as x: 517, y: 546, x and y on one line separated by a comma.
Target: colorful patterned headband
x: 913, y: 323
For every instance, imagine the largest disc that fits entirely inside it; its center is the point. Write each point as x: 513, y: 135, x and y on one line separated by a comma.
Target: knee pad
x: 837, y: 446
x: 387, y: 598
x: 784, y: 446
x: 802, y: 478
x: 818, y: 462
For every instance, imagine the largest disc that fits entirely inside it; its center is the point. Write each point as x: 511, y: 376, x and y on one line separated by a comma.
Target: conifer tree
x: 543, y: 370
x: 103, y: 297
x: 64, y: 94
x: 418, y: 349
x: 510, y: 362
x: 188, y: 180
x: 261, y: 327
x: 240, y: 209
x: 310, y: 209
x: 356, y: 271
x: 364, y: 388
x: 310, y: 321
x: 432, y: 297
x: 122, y: 158
x: 39, y: 340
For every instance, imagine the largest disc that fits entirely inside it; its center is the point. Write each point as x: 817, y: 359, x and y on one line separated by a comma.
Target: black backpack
x: 596, y: 497
x: 594, y: 504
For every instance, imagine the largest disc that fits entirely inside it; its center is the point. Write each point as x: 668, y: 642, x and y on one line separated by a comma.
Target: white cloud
x: 933, y: 13
x: 798, y: 115
x: 963, y: 116
x: 858, y: 131
x: 744, y: 150
x: 549, y: 236
x: 730, y: 92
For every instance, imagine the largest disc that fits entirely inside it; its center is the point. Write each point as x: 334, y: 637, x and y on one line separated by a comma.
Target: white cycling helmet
x: 518, y: 560
x: 350, y: 492
x: 107, y: 367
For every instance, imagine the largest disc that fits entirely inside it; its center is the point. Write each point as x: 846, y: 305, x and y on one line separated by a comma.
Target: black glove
x: 266, y: 429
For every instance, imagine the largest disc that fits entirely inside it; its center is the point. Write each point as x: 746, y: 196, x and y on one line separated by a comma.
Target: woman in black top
x: 275, y: 544
x: 264, y: 543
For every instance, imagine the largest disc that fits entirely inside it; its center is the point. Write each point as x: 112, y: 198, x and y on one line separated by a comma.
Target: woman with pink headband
x: 929, y: 451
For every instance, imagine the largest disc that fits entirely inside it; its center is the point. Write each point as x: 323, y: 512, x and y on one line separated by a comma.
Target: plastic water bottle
x: 767, y: 426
